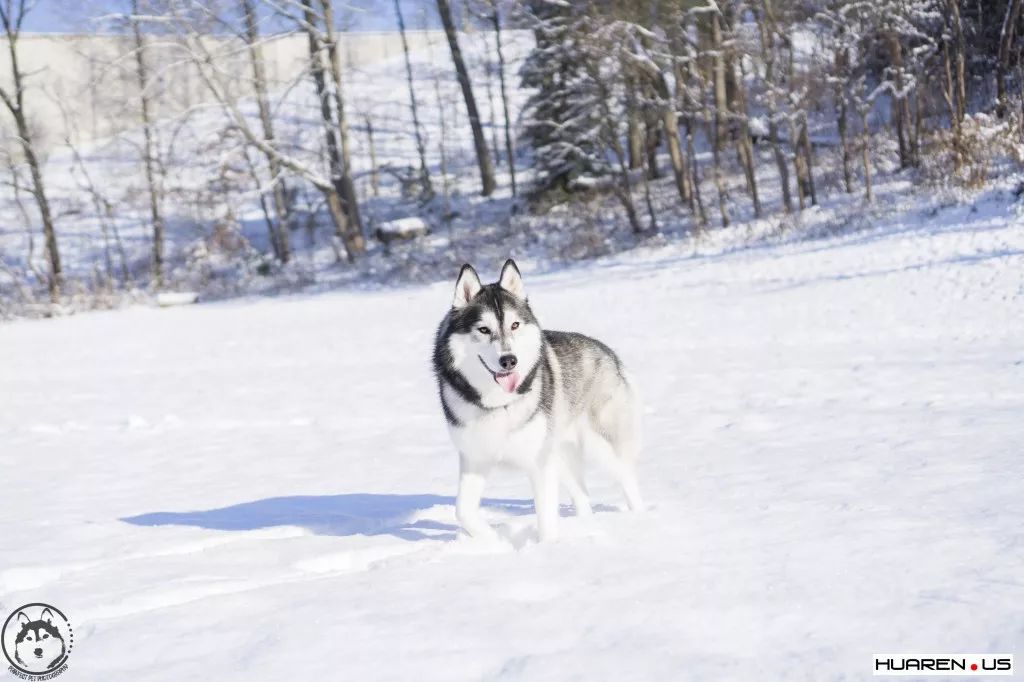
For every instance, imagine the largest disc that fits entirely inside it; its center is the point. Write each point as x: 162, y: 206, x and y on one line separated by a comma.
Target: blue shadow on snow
x: 337, y: 515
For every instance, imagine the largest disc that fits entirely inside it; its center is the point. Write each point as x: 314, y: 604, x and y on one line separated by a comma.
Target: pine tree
x: 562, y: 131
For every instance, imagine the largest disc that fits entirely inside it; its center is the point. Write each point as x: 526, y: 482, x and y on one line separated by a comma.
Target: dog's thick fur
x: 514, y: 394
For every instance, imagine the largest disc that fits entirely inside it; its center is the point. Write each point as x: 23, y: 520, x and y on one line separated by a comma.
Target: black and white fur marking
x: 515, y: 394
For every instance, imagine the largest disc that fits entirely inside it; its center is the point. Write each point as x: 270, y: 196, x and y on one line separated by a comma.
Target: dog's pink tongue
x: 509, y: 381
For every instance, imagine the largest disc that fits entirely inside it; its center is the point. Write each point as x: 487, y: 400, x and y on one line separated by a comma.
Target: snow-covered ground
x: 263, y: 489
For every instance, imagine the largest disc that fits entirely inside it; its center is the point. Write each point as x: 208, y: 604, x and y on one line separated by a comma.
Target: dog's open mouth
x: 509, y: 381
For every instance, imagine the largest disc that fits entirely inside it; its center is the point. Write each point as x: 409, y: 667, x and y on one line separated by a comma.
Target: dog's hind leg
x: 615, y: 440
x: 573, y: 479
x: 630, y: 487
x: 545, y: 497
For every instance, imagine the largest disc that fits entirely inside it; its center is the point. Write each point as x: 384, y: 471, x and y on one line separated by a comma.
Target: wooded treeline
x: 767, y: 86
x: 622, y: 95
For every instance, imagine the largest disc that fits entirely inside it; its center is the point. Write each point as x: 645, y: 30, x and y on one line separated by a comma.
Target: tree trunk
x: 509, y: 146
x: 949, y: 94
x: 334, y: 195
x: 483, y: 156
x: 445, y: 189
x: 652, y: 139
x: 767, y: 36
x: 634, y: 128
x: 841, y: 75
x: 374, y: 170
x: 261, y: 193
x: 808, y: 160
x: 648, y: 199
x: 918, y: 124
x: 56, y: 276
x: 348, y: 187
x: 278, y: 233
x: 961, y: 52
x: 492, y: 109
x: 1006, y: 37
x: 865, y: 141
x: 901, y: 110
x: 720, y: 113
x: 624, y: 191
x: 670, y: 122
x: 800, y: 142
x: 698, y: 202
x: 421, y: 146
x: 609, y: 134
x: 149, y: 152
x: 685, y: 169
x: 744, y: 143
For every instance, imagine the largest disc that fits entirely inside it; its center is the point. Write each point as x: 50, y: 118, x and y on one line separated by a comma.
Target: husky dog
x: 39, y: 645
x: 515, y: 394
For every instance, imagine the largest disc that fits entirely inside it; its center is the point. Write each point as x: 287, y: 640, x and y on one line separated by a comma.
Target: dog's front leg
x: 472, y: 479
x: 545, y: 498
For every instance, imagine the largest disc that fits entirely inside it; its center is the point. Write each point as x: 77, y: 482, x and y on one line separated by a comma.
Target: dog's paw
x: 483, y: 540
x: 519, y: 537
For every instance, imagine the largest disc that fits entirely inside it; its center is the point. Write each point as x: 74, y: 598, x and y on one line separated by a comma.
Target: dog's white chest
x: 511, y: 435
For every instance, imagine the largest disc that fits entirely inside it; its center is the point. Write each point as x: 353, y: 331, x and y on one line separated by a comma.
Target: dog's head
x: 39, y: 645
x: 495, y: 340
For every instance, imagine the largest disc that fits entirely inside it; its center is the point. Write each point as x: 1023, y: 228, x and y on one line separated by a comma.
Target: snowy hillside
x: 262, y: 489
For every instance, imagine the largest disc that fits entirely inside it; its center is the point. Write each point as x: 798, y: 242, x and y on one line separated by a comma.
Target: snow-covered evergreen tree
x: 560, y: 124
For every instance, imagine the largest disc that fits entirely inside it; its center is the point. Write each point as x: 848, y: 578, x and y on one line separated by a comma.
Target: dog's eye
x: 484, y: 330
x: 46, y: 636
x: 515, y: 326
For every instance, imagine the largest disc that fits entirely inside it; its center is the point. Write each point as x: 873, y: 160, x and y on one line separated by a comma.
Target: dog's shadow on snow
x: 337, y: 515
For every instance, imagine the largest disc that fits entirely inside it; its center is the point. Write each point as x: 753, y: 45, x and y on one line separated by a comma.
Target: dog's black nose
x: 38, y: 652
x: 507, y: 362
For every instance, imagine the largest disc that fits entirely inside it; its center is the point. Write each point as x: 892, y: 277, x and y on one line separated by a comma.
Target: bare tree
x: 13, y: 167
x: 374, y: 167
x: 348, y: 190
x: 483, y: 155
x: 720, y: 111
x: 797, y: 95
x: 102, y: 204
x: 443, y: 154
x: 427, y: 189
x: 337, y: 201
x: 767, y: 29
x: 509, y: 146
x: 645, y: 65
x: 744, y: 140
x: 12, y: 16
x: 218, y: 81
x: 279, y: 232
x: 863, y: 100
x: 149, y: 147
x: 1006, y: 37
x: 689, y: 98
x: 840, y: 78
x: 609, y: 133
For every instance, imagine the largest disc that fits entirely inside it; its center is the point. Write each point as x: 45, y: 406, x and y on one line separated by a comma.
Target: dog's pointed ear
x: 47, y: 615
x: 512, y: 280
x: 466, y: 287
x: 23, y: 619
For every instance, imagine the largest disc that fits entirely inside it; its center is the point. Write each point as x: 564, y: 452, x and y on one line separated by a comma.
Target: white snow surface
x: 262, y: 489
